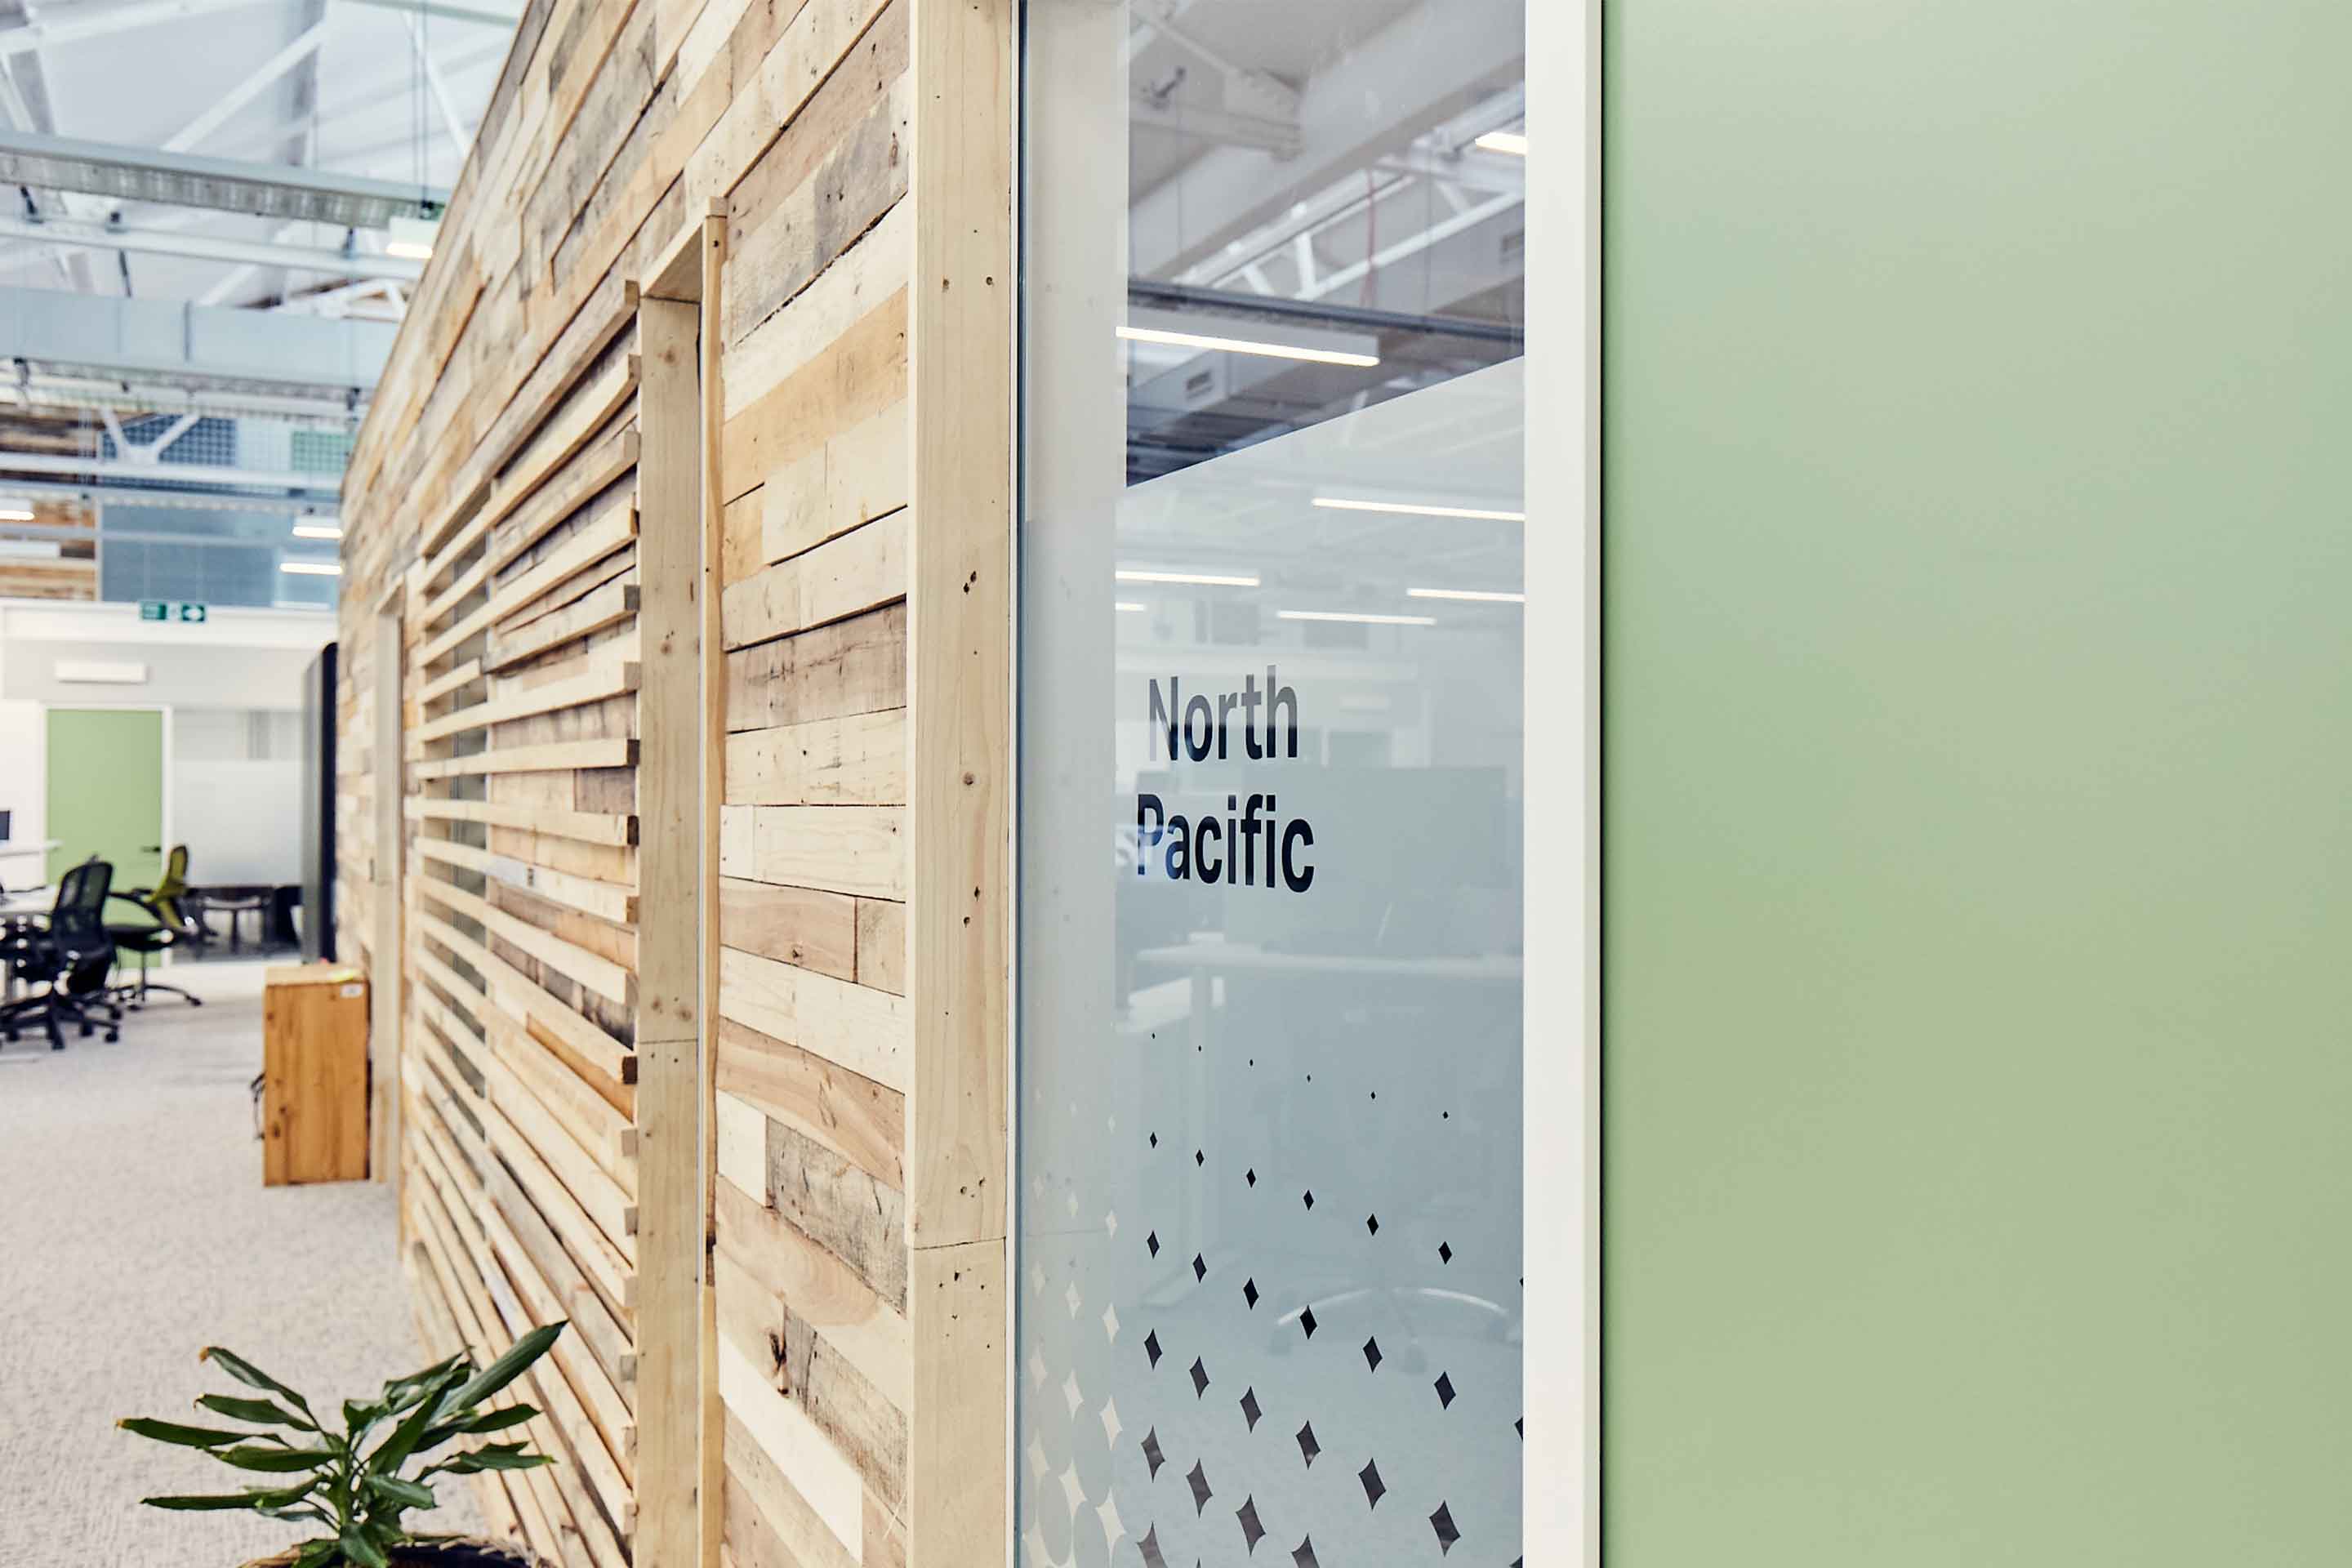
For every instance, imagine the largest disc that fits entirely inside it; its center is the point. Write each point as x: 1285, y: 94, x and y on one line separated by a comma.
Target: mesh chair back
x: 78, y: 920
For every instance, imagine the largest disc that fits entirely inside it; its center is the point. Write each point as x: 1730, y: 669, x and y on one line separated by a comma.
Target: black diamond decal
x: 1445, y: 1252
x: 1151, y: 1346
x: 1307, y: 1321
x: 1199, y: 1482
x: 1249, y: 1292
x: 1199, y: 1269
x: 1305, y: 1556
x: 1151, y: 1544
x: 1373, y: 1354
x: 1310, y: 1200
x: 1442, y: 1522
x: 1152, y: 1454
x: 1520, y: 1427
x: 1152, y: 1241
x: 1199, y: 1158
x: 1445, y: 1391
x: 1253, y: 1177
x: 1374, y: 1488
x: 1372, y: 1224
x: 1200, y: 1378
x: 1250, y: 1411
x: 1307, y: 1447
x: 1251, y: 1531
x: 1155, y: 1140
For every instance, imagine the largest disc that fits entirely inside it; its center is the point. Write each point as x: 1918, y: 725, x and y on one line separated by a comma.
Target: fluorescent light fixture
x: 312, y: 568
x: 412, y: 238
x: 1416, y: 508
x: 1128, y: 607
x: 1195, y: 579
x: 1353, y: 618
x: 1471, y: 596
x: 317, y: 530
x: 1246, y: 346
x: 15, y: 509
x: 1514, y: 143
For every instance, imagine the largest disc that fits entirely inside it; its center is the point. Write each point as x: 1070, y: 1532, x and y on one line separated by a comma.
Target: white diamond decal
x: 1036, y: 1369
x: 1112, y: 1528
x: 1110, y: 1324
x: 1072, y: 1491
x: 1111, y: 1428
x: 1072, y: 1297
x: 1037, y: 1454
x: 1071, y: 1395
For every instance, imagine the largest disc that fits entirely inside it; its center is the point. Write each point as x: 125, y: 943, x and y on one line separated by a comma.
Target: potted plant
x: 339, y: 1479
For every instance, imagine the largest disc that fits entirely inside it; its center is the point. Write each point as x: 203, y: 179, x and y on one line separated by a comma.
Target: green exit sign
x: 168, y: 610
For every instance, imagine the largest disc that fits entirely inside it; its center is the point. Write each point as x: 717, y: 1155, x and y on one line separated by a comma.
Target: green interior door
x: 106, y: 790
x: 1979, y: 877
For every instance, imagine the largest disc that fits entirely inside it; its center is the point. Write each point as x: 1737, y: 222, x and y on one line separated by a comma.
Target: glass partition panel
x: 1269, y: 1068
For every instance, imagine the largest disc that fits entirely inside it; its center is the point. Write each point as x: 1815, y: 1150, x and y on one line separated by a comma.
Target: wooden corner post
x: 669, y: 1092
x: 959, y: 691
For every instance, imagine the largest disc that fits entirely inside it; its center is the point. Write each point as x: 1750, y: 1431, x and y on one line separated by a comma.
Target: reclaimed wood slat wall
x: 579, y: 818
x: 72, y: 572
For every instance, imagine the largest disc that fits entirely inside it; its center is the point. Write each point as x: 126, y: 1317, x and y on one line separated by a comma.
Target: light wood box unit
x: 314, y: 1075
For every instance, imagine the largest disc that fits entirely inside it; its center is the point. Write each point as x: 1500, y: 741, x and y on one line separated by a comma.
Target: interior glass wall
x: 1269, y: 1066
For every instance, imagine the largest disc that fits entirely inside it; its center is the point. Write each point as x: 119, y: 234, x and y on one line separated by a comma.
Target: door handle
x: 150, y: 848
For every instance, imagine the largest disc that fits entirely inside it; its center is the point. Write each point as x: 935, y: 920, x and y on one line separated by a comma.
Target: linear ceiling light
x: 1514, y: 143
x: 312, y: 568
x: 1197, y: 579
x: 16, y: 510
x: 1247, y: 346
x: 1414, y: 509
x: 1354, y: 618
x: 412, y: 238
x: 1473, y: 595
x: 1128, y: 608
x: 317, y: 530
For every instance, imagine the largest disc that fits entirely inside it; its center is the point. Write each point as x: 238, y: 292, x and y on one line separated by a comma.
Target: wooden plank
x: 608, y: 606
x: 841, y: 1206
x: 466, y: 583
x: 882, y: 945
x: 562, y: 756
x: 852, y: 666
x: 587, y: 826
x: 556, y: 443
x: 592, y: 1316
x: 855, y: 478
x: 856, y: 849
x: 778, y: 1427
x: 529, y: 1002
x: 600, y: 974
x: 769, y: 1523
x: 455, y: 638
x: 611, y: 528
x: 592, y: 472
x: 856, y: 760
x: 845, y: 1111
x: 869, y: 1032
x: 855, y: 572
x: 855, y: 375
x: 464, y: 675
x: 804, y: 927
x: 865, y: 1428
x: 820, y: 1289
x: 605, y: 677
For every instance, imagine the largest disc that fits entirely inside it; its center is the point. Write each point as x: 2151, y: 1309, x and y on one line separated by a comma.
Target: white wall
x: 234, y: 688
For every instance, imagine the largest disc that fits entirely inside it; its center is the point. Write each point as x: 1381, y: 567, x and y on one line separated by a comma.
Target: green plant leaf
x: 394, y: 1450
x: 408, y: 1494
x: 279, y: 1460
x: 508, y: 1367
x: 501, y: 1456
x: 361, y: 1550
x: 480, y: 1421
x: 184, y: 1437
x: 402, y: 1392
x: 317, y: 1554
x: 260, y: 1412
x: 252, y: 1376
x: 203, y: 1504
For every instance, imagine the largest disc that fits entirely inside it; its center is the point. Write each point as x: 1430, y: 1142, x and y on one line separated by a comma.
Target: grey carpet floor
x: 134, y: 1230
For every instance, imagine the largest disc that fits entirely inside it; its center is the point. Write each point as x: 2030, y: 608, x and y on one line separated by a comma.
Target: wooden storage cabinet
x: 314, y: 1075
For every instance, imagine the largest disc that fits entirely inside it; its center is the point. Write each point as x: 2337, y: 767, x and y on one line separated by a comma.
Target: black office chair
x: 70, y: 956
x: 169, y: 925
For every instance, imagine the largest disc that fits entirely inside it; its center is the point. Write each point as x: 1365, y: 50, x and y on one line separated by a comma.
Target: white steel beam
x: 485, y: 12
x: 251, y: 87
x: 184, y: 473
x: 460, y: 138
x: 74, y: 26
x: 208, y: 247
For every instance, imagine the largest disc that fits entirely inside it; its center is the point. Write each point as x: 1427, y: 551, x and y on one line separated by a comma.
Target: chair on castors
x: 170, y: 926
x: 70, y: 956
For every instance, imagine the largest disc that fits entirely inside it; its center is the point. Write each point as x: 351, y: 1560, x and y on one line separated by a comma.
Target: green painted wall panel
x: 1978, y: 925
x: 106, y: 793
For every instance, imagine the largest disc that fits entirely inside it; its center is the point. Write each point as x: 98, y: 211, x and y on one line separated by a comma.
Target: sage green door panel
x: 105, y: 792
x: 1978, y: 925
